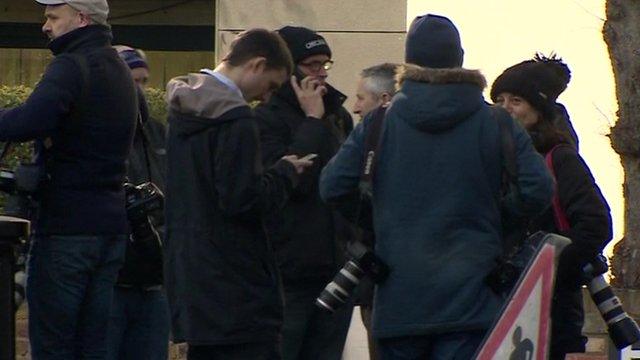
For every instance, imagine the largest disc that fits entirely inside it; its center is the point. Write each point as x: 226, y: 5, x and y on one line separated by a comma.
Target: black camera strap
x: 145, y: 146
x: 363, y: 213
x: 5, y: 151
x: 371, y: 144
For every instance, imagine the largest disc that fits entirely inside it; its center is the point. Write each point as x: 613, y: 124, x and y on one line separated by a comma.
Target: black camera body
x: 142, y: 202
x: 20, y: 186
x: 364, y: 262
x: 504, y: 276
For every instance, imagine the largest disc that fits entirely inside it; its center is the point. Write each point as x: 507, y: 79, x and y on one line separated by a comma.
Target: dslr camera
x: 20, y: 186
x: 144, y: 202
x: 504, y: 276
x: 364, y: 262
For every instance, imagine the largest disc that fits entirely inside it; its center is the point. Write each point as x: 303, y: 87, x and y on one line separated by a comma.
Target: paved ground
x: 356, y: 347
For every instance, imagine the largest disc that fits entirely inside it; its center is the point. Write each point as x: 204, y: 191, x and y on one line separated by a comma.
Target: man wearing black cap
x: 308, y: 237
x: 81, y: 116
x: 436, y: 199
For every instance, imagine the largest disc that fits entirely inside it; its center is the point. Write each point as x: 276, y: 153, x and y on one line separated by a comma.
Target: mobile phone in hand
x: 309, y: 157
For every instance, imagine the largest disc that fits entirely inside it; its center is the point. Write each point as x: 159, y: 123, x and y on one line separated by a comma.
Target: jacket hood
x: 202, y: 101
x: 435, y: 100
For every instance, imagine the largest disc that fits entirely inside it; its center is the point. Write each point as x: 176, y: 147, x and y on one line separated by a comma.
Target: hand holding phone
x: 309, y: 94
x: 309, y: 157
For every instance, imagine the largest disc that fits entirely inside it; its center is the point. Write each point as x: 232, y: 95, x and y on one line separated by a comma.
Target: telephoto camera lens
x: 338, y: 291
x: 622, y: 329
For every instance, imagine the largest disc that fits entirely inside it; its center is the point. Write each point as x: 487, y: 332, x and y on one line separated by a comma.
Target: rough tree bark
x: 622, y: 35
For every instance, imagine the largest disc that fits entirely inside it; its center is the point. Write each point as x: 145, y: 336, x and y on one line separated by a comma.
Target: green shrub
x: 11, y: 96
x: 157, y: 105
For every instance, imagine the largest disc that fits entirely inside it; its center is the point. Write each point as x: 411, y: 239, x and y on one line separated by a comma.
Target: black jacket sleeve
x: 310, y: 136
x: 51, y: 100
x: 585, y: 207
x: 241, y: 184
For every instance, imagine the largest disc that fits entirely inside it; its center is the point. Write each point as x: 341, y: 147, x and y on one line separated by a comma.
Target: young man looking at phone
x: 220, y: 273
x: 308, y: 237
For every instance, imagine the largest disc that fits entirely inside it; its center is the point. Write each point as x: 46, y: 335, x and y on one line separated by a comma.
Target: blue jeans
x: 139, y: 325
x: 309, y: 332
x: 449, y: 346
x: 70, y: 282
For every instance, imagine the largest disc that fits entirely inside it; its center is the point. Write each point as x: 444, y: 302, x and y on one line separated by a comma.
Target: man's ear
x: 85, y: 20
x: 386, y: 98
x: 257, y: 64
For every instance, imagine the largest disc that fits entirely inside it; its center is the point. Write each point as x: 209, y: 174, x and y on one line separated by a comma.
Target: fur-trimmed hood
x: 435, y: 100
x: 440, y: 76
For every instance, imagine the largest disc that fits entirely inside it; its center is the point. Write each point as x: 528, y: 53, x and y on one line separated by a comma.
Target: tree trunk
x: 622, y: 35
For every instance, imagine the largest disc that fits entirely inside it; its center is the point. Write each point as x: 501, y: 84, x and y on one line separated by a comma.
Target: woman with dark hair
x: 528, y: 91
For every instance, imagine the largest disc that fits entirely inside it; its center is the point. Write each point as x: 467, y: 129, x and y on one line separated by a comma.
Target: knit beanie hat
x: 133, y: 58
x: 433, y: 41
x: 303, y: 42
x: 539, y: 81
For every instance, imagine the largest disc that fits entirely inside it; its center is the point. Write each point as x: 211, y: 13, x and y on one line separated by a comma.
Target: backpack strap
x: 559, y: 216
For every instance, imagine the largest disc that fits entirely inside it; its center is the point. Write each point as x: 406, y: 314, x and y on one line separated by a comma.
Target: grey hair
x: 381, y: 78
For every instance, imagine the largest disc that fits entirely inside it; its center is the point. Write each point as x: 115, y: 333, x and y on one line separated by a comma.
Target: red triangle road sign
x: 522, y: 330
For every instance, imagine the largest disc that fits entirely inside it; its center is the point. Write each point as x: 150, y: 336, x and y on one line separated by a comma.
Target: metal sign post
x: 11, y: 230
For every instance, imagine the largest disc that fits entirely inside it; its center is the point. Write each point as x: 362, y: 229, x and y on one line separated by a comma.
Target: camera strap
x: 559, y: 216
x: 371, y: 144
x: 5, y: 151
x: 145, y: 145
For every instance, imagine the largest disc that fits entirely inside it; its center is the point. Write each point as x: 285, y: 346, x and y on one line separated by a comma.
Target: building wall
x: 361, y: 33
x: 21, y: 66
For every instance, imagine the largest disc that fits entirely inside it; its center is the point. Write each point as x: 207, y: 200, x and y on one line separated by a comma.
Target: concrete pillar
x: 360, y: 33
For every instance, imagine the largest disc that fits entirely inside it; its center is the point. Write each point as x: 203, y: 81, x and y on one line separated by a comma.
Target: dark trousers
x: 70, y: 282
x: 567, y: 319
x: 451, y: 346
x: 250, y: 351
x: 366, y: 312
x: 309, y: 332
x: 139, y: 325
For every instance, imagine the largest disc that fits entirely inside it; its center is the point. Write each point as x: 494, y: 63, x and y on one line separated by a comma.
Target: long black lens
x: 623, y: 330
x: 338, y: 291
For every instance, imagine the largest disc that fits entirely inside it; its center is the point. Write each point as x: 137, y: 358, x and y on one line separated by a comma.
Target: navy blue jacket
x: 82, y: 115
x: 436, y: 205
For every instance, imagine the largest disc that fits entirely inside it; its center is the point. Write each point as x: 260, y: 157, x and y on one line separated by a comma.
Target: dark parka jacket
x: 220, y: 272
x: 435, y: 201
x: 308, y: 237
x: 590, y: 230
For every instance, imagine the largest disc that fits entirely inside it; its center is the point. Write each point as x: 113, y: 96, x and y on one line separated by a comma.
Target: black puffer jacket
x: 220, y: 272
x: 308, y: 237
x: 590, y: 231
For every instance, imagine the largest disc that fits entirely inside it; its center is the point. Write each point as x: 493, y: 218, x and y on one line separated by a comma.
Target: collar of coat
x: 440, y: 76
